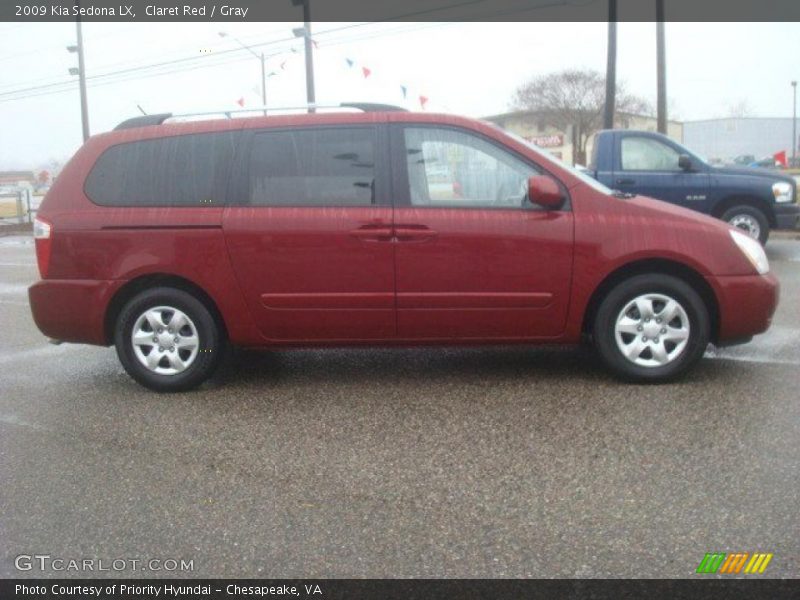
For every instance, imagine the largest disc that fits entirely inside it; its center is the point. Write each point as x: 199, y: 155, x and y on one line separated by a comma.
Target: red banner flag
x: 366, y: 72
x: 423, y: 100
x: 780, y: 158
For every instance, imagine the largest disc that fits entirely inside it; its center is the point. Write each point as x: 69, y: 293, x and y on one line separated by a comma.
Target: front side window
x: 449, y: 168
x: 184, y: 170
x: 313, y: 167
x: 647, y: 154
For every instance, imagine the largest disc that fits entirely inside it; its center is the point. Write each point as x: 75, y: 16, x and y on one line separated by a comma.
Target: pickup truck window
x: 647, y: 154
x: 547, y: 158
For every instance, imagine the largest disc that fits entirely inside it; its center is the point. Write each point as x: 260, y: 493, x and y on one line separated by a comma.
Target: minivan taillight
x: 43, y: 234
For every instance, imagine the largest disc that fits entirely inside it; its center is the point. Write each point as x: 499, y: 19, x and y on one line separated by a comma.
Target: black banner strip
x: 398, y: 589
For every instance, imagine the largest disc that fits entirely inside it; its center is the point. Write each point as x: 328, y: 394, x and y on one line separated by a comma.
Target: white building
x: 725, y: 139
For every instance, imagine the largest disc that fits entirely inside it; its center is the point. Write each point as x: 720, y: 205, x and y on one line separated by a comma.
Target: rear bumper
x: 787, y: 215
x: 746, y: 305
x: 72, y: 310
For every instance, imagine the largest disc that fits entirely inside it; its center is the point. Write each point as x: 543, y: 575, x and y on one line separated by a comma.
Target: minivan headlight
x: 782, y: 191
x: 752, y: 250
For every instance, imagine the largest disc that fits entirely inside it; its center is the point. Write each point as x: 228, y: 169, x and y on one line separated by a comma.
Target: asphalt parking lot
x: 500, y: 462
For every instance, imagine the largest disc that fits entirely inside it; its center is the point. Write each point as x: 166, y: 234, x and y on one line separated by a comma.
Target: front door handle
x: 413, y: 233
x: 626, y: 181
x: 373, y: 233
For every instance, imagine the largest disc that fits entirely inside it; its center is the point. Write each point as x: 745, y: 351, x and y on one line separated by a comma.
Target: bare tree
x: 573, y: 100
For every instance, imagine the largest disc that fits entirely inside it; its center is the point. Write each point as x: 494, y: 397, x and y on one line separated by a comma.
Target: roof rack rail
x: 158, y: 119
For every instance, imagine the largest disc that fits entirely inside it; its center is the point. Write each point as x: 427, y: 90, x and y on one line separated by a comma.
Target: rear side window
x: 313, y: 167
x: 185, y: 170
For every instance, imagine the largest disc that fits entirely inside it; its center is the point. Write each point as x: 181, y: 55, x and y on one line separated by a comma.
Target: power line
x: 63, y: 86
x: 183, y: 59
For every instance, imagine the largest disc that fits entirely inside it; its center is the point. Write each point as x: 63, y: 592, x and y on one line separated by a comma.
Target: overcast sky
x: 467, y: 68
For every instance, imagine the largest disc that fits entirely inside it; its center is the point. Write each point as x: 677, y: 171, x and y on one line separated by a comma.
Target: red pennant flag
x: 780, y: 158
x: 366, y: 72
x: 423, y: 100
x: 240, y: 102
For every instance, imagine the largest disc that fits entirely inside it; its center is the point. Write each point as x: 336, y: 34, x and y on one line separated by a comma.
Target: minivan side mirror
x: 685, y: 162
x: 545, y: 192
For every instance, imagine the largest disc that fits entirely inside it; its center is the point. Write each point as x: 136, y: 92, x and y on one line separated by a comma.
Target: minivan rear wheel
x: 651, y: 328
x: 167, y: 340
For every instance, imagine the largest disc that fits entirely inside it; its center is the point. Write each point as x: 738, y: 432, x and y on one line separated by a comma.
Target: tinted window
x: 186, y: 170
x: 646, y: 154
x: 313, y: 167
x: 450, y: 168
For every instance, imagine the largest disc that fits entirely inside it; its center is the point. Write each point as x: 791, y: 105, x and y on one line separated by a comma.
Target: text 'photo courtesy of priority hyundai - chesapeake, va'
x: 432, y: 299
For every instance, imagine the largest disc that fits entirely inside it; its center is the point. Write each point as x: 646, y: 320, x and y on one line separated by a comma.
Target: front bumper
x: 72, y: 310
x: 786, y: 215
x: 746, y: 305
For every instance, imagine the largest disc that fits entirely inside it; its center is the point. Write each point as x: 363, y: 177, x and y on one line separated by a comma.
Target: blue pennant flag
x: 350, y: 62
x: 405, y: 90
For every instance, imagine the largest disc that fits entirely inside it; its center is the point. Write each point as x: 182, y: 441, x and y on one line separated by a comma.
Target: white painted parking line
x: 754, y: 359
x: 14, y: 302
x: 776, y: 346
x: 15, y: 420
x: 16, y: 241
x: 10, y: 357
x: 17, y: 264
x: 13, y: 289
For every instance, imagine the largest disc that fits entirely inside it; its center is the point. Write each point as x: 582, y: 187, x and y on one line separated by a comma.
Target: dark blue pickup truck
x: 651, y: 164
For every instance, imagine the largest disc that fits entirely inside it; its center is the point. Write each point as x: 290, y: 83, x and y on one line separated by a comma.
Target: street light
x: 260, y: 57
x: 305, y: 33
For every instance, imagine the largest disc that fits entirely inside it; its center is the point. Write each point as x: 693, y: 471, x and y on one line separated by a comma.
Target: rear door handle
x: 413, y: 233
x: 626, y: 181
x: 373, y: 233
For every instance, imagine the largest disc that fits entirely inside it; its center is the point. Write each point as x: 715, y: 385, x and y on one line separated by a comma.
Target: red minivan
x: 171, y: 239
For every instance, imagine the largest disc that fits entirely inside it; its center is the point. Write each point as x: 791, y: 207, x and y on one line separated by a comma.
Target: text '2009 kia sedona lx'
x: 170, y: 239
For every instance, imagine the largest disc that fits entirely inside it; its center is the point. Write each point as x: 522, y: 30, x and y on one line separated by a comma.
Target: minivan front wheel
x: 167, y: 340
x: 651, y: 327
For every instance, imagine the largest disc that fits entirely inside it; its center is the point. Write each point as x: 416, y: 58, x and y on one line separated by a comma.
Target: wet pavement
x: 499, y: 462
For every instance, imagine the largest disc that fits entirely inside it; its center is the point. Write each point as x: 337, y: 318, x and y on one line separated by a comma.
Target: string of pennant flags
x: 366, y: 73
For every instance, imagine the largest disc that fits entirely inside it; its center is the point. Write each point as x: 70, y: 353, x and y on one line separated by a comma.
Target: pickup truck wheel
x: 167, y: 340
x: 651, y: 328
x: 750, y: 220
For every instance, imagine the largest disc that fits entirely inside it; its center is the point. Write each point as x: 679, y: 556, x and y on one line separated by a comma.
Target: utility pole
x: 611, y: 66
x: 309, y: 48
x: 264, y: 82
x: 81, y: 73
x: 661, y: 67
x: 794, y: 125
x: 262, y: 58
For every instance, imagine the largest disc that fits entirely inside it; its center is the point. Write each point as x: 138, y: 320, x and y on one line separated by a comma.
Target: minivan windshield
x: 582, y: 175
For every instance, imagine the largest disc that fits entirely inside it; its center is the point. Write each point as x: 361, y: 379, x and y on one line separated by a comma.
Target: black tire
x: 210, y: 346
x: 747, y: 211
x: 604, y: 332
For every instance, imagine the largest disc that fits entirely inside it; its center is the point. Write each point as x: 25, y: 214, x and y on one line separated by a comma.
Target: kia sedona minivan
x: 172, y: 238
